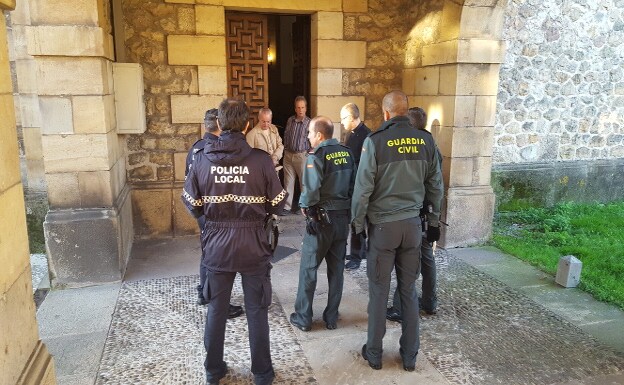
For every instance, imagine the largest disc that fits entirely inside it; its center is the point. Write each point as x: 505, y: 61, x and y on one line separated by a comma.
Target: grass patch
x: 593, y: 233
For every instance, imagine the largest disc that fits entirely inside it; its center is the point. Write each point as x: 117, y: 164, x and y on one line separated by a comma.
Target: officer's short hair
x: 233, y: 115
x: 395, y: 102
x: 323, y: 125
x: 417, y: 117
x: 210, y: 120
x: 352, y: 110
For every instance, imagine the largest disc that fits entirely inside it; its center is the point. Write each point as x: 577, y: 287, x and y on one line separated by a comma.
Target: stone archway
x: 452, y: 63
x: 24, y: 358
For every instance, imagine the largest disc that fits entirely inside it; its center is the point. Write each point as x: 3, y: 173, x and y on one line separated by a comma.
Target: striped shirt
x: 296, y: 135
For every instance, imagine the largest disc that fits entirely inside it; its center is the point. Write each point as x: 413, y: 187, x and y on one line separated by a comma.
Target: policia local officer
x: 328, y: 179
x: 212, y: 134
x: 234, y: 187
x: 398, y: 171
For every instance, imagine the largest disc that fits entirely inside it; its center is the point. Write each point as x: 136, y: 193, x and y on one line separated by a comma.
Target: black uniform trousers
x: 428, y: 297
x: 393, y: 245
x: 257, y: 291
x: 330, y: 244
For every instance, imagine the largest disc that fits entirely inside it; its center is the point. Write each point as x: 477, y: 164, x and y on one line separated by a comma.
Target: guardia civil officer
x: 328, y: 179
x: 356, y: 133
x: 212, y: 134
x: 234, y: 187
x: 428, y: 301
x: 398, y: 171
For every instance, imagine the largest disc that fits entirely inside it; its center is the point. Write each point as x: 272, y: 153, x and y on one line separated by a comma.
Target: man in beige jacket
x: 264, y: 136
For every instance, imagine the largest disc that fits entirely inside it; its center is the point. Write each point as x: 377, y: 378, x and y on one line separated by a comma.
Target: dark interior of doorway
x: 289, y: 71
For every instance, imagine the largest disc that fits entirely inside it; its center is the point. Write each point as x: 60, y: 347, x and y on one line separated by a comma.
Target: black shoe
x: 393, y: 314
x: 201, y: 300
x: 408, y: 367
x: 330, y: 325
x: 365, y: 356
x: 282, y: 213
x: 426, y: 311
x: 348, y: 257
x: 293, y: 322
x: 215, y: 381
x: 353, y: 264
x: 235, y: 311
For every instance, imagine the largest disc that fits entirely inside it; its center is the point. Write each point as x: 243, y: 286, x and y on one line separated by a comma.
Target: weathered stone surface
x: 557, y: 78
x: 152, y: 210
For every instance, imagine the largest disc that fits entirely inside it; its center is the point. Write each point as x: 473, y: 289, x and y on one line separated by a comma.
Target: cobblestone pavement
x: 484, y: 333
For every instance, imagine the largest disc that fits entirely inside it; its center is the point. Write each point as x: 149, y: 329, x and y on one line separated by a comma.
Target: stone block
x: 191, y: 108
x: 9, y: 155
x: 95, y: 189
x: 183, y: 1
x: 92, y: 114
x: 477, y: 79
x: 338, y: 54
x: 448, y: 80
x: 84, y: 246
x: 485, y: 111
x: 426, y: 80
x: 32, y: 143
x: 183, y: 222
x: 440, y: 108
x: 55, y: 12
x: 26, y: 70
x: 282, y: 6
x: 18, y: 325
x: 330, y: 106
x: 471, y: 141
x: 21, y: 14
x: 179, y: 165
x: 63, y: 190
x: 472, y: 171
x: 212, y: 80
x: 210, y: 20
x: 326, y: 81
x: 196, y: 50
x: 470, y: 210
x: 152, y: 211
x: 30, y: 114
x: 482, y: 22
x: 464, y: 111
x: 450, y: 21
x: 569, y: 271
x: 327, y: 25
x: 409, y: 81
x: 118, y: 178
x: 355, y: 6
x: 480, y: 51
x: 440, y: 53
x: 6, y: 84
x: 56, y: 115
x: 14, y: 253
x: 71, y: 153
x: 51, y: 40
x: 73, y: 76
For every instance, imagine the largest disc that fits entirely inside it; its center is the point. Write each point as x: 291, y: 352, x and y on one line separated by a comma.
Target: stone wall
x: 561, y: 93
x: 387, y: 29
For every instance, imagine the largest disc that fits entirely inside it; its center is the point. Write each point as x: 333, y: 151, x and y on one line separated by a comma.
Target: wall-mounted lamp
x: 270, y: 55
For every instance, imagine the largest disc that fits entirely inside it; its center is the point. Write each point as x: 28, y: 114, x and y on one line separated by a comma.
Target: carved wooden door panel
x: 247, y: 64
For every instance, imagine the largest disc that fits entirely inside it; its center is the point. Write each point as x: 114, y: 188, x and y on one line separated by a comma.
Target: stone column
x: 89, y: 226
x: 456, y: 82
x: 24, y: 358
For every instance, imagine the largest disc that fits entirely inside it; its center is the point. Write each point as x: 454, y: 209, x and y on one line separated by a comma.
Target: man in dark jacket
x: 212, y: 134
x: 234, y: 187
x: 398, y: 171
x: 356, y: 133
x: 328, y: 179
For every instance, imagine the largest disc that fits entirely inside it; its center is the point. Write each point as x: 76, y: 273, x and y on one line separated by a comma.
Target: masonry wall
x: 561, y: 99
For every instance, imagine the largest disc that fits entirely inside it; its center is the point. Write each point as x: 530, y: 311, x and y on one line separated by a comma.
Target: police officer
x: 234, y: 187
x: 356, y: 133
x: 328, y: 179
x: 398, y: 171
x: 212, y: 134
x: 428, y: 302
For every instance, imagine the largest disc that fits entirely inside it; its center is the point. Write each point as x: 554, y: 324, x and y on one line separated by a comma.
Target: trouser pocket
x: 267, y: 289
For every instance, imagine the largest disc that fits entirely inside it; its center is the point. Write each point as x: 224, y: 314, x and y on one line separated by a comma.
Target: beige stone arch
x: 452, y: 65
x: 24, y: 358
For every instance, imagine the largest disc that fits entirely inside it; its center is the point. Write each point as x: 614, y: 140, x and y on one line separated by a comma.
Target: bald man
x: 398, y: 171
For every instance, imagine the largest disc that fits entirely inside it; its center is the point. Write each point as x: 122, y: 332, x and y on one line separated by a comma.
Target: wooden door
x: 247, y: 64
